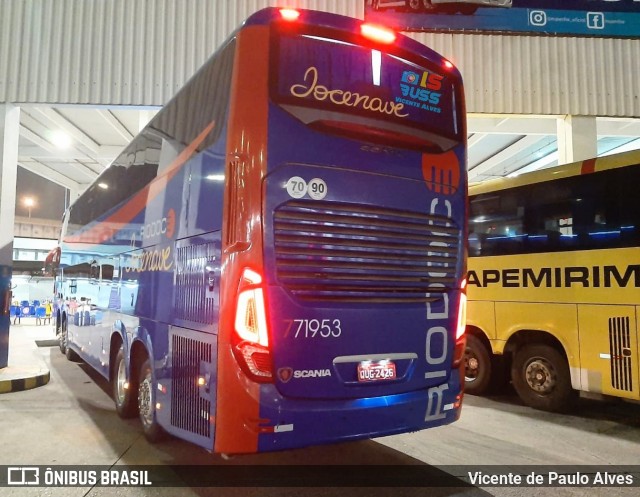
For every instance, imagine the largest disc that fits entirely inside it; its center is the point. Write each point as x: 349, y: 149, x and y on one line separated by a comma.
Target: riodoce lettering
x: 343, y: 97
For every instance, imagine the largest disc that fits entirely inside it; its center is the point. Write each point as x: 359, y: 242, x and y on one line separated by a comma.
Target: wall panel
x: 123, y: 52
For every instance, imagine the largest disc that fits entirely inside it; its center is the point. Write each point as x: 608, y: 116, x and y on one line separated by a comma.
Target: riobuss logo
x: 421, y: 90
x: 428, y: 80
x: 441, y: 172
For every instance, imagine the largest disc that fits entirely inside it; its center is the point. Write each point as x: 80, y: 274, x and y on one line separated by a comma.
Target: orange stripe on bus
x: 238, y: 398
x: 138, y: 202
x: 588, y: 166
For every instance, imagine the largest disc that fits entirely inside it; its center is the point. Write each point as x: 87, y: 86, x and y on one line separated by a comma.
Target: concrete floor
x: 71, y: 421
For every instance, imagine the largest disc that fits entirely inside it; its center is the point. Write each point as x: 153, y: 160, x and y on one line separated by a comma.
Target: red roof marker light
x: 290, y: 14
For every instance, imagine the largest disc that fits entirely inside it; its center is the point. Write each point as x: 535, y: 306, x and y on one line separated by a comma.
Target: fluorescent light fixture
x: 60, y: 139
x: 104, y: 186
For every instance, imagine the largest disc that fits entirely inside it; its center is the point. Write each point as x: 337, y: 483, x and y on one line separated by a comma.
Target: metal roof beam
x: 55, y: 120
x: 51, y: 174
x: 115, y: 124
x: 512, y: 125
x: 504, y: 155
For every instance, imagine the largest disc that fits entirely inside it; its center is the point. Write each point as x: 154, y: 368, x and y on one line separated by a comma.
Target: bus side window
x: 622, y: 195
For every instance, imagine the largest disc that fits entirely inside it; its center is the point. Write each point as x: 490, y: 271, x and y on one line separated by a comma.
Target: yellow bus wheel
x: 477, y: 371
x: 540, y: 375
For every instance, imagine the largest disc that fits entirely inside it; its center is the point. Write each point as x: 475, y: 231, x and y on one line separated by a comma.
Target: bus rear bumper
x: 288, y: 423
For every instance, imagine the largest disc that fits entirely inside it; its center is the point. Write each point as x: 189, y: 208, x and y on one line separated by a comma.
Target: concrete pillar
x: 577, y: 139
x: 9, y: 136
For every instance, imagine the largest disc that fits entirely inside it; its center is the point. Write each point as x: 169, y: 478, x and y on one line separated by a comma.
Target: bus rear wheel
x: 61, y: 330
x: 123, y: 388
x: 64, y: 342
x: 477, y: 371
x: 146, y: 404
x: 540, y: 375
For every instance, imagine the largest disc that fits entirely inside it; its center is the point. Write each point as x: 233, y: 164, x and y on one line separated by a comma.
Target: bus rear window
x: 325, y: 82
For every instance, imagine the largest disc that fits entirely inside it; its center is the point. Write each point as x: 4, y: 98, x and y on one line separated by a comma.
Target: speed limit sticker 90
x: 297, y: 187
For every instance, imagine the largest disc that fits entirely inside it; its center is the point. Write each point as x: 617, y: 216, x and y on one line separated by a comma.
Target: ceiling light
x: 60, y: 139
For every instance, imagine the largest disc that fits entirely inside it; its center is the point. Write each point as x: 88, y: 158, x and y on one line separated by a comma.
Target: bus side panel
x: 560, y: 320
x: 482, y: 315
x: 609, y: 350
x: 237, y: 408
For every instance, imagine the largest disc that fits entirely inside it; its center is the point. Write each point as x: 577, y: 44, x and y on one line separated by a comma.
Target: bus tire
x: 540, y: 376
x: 153, y: 432
x: 124, y: 396
x: 62, y: 336
x: 72, y: 355
x: 477, y: 370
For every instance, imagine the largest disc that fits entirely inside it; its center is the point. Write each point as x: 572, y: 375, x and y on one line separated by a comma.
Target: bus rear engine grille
x: 355, y: 253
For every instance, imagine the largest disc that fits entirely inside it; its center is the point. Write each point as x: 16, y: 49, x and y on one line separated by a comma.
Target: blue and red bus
x: 277, y: 259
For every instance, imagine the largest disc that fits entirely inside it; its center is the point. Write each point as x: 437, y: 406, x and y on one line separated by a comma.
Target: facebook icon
x: 595, y: 20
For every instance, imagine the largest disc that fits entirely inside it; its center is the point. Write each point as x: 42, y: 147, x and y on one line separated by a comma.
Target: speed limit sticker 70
x: 297, y: 187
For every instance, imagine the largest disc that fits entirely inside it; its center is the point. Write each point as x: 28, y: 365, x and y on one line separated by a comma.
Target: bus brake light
x: 251, y: 320
x: 462, y: 311
x: 461, y: 326
x: 290, y: 14
x: 376, y: 33
x: 252, y: 348
x: 462, y: 316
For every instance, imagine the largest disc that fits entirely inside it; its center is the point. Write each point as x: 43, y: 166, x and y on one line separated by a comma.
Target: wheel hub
x: 540, y: 376
x: 121, y: 382
x: 144, y: 401
x: 471, y: 368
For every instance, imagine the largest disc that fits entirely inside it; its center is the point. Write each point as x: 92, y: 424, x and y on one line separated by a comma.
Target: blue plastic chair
x: 41, y: 312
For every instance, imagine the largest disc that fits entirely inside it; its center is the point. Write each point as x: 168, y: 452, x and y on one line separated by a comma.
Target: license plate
x: 376, y: 371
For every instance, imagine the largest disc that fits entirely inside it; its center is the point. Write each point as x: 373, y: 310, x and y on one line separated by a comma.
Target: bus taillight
x: 252, y: 351
x: 251, y: 320
x: 376, y: 33
x: 462, y: 310
x: 461, y: 325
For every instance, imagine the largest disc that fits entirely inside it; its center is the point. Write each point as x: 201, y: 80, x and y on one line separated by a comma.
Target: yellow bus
x: 554, y: 282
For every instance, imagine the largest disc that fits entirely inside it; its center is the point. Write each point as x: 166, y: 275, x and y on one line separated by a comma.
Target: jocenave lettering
x: 343, y: 97
x: 151, y: 260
